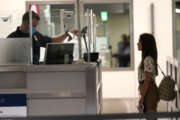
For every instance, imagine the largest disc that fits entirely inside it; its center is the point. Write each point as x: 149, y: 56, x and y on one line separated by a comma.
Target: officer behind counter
x: 39, y: 40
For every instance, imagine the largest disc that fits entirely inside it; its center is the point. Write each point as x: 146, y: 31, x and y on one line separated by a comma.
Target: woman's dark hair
x: 148, y: 48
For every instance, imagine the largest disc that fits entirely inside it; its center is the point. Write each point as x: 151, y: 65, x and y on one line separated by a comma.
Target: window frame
x: 174, y: 27
x: 131, y: 31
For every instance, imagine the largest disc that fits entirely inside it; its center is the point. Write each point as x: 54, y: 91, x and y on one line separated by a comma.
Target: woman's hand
x: 140, y: 108
x: 141, y: 100
x: 140, y: 89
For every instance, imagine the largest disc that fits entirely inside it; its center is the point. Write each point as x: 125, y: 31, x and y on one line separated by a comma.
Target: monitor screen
x: 59, y: 53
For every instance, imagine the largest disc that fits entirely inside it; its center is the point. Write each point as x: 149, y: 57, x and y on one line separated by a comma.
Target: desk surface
x: 48, y: 68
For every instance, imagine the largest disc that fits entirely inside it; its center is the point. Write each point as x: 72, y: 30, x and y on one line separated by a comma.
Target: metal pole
x: 79, y: 27
x: 92, y: 32
x: 62, y: 21
x: 89, y: 34
x: 152, y: 18
x: 87, y: 18
x: 31, y: 37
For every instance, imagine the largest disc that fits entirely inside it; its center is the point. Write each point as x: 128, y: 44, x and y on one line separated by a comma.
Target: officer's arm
x: 62, y: 37
x: 59, y: 38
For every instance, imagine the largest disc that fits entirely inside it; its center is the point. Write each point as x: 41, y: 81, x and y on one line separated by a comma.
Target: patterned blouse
x: 149, y: 66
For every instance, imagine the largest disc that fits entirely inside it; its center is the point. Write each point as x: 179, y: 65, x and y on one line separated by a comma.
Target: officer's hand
x: 69, y: 38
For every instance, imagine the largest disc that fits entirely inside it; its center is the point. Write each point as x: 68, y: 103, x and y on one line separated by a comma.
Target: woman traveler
x: 147, y: 72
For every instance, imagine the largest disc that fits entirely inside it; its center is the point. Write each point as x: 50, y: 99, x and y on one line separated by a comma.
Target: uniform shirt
x: 39, y: 40
x: 149, y: 66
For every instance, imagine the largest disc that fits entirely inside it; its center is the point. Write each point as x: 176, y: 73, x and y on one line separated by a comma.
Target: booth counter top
x: 50, y: 68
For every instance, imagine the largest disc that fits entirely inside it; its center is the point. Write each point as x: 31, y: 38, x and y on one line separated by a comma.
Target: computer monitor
x: 59, y: 53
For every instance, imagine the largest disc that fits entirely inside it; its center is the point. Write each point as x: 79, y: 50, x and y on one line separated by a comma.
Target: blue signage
x: 12, y: 100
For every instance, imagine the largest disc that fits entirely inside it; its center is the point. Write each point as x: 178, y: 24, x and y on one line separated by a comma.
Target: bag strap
x: 161, y: 70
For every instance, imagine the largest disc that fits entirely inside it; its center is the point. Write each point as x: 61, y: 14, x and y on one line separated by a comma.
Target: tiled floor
x: 125, y: 105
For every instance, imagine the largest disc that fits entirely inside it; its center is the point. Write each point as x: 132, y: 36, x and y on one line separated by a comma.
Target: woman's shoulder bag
x: 166, y: 88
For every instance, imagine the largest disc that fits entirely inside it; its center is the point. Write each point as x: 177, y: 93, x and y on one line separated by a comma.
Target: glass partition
x: 113, y: 36
x: 108, y: 29
x: 14, y: 51
x: 55, y: 19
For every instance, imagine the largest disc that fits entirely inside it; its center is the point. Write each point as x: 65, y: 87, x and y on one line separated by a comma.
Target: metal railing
x: 104, y: 116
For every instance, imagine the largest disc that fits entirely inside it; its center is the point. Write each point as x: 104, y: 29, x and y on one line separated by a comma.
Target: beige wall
x: 14, y: 8
x: 12, y: 5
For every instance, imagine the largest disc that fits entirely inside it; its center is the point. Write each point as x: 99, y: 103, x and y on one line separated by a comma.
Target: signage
x: 104, y: 16
x: 13, y: 105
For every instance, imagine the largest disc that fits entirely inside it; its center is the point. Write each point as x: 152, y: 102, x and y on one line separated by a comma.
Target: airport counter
x: 67, y: 89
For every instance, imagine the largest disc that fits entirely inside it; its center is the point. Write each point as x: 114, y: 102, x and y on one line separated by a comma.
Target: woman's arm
x: 145, y: 86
